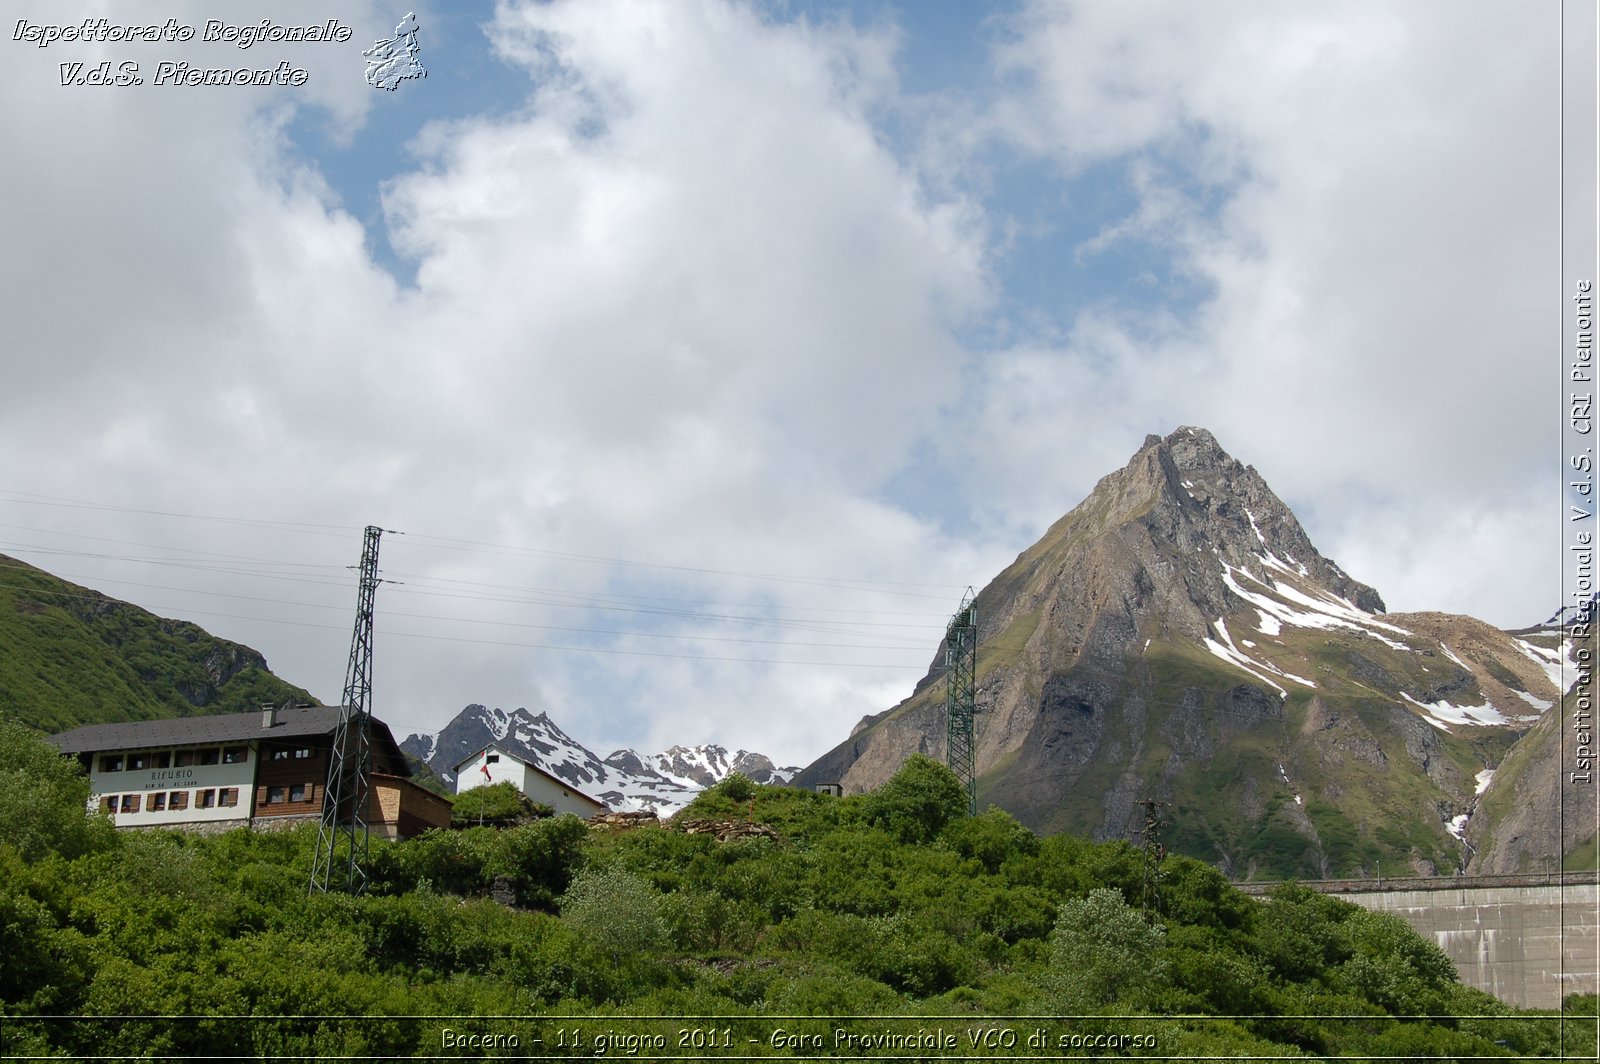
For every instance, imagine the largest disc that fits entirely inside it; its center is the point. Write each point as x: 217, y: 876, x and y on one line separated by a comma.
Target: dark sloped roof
x: 292, y: 723
x: 179, y: 731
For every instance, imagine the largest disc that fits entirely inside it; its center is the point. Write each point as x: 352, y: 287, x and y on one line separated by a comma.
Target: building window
x: 138, y: 761
x: 130, y: 803
x: 206, y: 799
x: 158, y: 802
x: 234, y: 755
x: 163, y: 759
x: 304, y: 751
x: 299, y: 792
x: 275, y: 795
x: 183, y: 759
x: 180, y: 800
x: 108, y: 803
x: 228, y: 796
x: 492, y: 759
x: 280, y: 755
x: 211, y: 756
x: 111, y: 764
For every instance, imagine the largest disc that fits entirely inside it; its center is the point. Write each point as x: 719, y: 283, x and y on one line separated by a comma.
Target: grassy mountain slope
x: 71, y: 656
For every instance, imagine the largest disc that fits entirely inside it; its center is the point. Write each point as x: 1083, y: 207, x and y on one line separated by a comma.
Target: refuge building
x: 260, y: 770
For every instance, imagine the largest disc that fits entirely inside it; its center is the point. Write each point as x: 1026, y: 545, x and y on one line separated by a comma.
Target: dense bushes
x: 534, y: 860
x: 497, y: 804
x: 42, y: 797
x: 891, y: 903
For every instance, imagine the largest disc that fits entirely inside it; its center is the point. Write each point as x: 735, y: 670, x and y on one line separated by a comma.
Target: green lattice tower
x: 961, y: 697
x: 342, y: 839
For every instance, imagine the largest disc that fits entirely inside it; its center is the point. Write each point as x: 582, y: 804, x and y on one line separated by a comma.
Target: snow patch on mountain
x: 499, y: 722
x: 1280, y: 599
x: 1234, y: 656
x: 1443, y: 712
x: 1227, y: 651
x: 1553, y: 661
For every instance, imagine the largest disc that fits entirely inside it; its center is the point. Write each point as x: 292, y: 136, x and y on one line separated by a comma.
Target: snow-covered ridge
x: 626, y: 780
x: 1283, y: 594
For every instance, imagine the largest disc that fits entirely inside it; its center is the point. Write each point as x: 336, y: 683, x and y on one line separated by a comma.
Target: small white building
x: 494, y: 765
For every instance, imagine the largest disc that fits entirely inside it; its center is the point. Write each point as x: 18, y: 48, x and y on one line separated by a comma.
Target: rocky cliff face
x: 1178, y: 637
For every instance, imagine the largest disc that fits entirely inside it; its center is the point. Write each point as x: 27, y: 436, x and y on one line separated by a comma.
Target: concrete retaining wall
x: 1529, y: 940
x: 1528, y: 946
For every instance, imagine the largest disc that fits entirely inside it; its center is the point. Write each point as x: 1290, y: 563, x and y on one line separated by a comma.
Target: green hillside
x: 817, y: 928
x: 71, y: 656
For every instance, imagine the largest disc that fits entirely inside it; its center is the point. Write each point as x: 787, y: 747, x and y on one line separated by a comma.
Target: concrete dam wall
x: 1528, y: 940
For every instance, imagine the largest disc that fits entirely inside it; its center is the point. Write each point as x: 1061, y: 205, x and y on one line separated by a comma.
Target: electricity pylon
x: 961, y: 696
x: 1155, y: 851
x: 342, y: 839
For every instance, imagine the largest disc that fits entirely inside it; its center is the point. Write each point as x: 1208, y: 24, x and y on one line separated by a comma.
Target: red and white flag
x: 485, y: 767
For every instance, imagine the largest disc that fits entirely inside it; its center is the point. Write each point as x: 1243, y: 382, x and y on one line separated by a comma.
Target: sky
x: 697, y: 355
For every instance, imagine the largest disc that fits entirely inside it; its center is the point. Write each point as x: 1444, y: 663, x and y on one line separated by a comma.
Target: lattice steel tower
x: 961, y: 696
x: 1155, y: 851
x: 342, y: 840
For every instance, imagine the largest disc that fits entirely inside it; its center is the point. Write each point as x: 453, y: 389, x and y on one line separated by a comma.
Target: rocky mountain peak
x: 1181, y: 536
x: 1177, y: 635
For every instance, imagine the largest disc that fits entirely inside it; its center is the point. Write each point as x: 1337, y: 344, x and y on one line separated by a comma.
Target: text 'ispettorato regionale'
x: 101, y: 30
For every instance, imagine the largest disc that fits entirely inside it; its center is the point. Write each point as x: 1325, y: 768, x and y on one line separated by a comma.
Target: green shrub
x: 539, y: 858
x: 496, y: 803
x: 1103, y: 952
x: 736, y: 787
x: 43, y: 799
x: 917, y: 802
x: 615, y: 911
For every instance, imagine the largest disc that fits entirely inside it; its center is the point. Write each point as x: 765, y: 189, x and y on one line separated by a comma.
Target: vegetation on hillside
x: 497, y: 804
x: 863, y: 909
x: 73, y: 657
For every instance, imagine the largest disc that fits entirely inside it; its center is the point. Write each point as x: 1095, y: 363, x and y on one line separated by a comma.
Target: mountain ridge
x: 75, y: 656
x: 625, y: 780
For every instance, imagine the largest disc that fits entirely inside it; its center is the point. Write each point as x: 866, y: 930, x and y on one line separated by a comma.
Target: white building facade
x: 494, y: 765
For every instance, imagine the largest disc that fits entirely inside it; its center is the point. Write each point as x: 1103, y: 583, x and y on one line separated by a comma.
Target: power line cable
x: 455, y: 543
x: 825, y: 628
x: 616, y: 633
x: 31, y: 499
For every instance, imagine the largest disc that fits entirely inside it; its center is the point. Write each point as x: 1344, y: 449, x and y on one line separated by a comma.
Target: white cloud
x: 1378, y: 269
x: 683, y: 307
x: 683, y: 303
